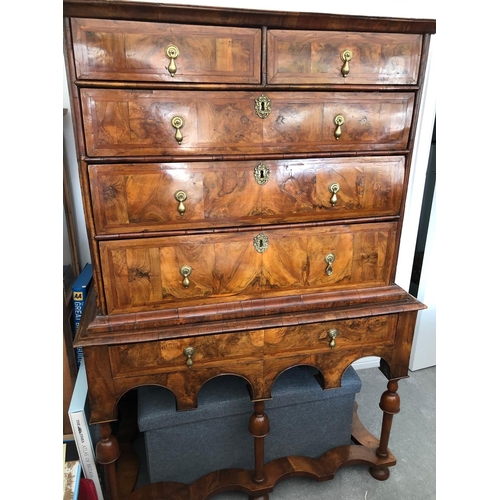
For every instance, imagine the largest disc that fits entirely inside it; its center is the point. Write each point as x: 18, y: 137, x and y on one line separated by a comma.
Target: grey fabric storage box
x: 304, y: 420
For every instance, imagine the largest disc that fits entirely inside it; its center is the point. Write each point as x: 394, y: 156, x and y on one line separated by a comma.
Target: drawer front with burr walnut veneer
x: 244, y: 175
x: 159, y: 122
x: 156, y: 197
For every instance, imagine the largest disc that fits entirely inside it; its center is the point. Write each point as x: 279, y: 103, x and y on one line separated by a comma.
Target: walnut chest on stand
x: 244, y: 176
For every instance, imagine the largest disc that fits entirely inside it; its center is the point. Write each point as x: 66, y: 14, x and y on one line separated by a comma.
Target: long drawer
x: 163, y: 52
x: 174, y: 123
x: 151, y: 273
x: 195, y: 353
x: 147, y: 197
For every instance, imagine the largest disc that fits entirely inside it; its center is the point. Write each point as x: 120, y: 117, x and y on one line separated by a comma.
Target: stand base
x: 321, y: 469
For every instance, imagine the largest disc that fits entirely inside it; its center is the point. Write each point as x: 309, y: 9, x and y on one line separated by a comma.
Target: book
x: 87, y: 490
x: 71, y: 479
x: 78, y: 411
x: 80, y: 289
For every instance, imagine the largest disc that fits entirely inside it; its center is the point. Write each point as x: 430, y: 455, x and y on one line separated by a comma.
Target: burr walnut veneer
x: 244, y: 175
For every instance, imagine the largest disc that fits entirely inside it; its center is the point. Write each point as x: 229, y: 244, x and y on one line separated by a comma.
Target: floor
x: 413, y: 442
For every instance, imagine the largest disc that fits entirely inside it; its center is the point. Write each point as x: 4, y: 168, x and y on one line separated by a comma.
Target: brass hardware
x: 333, y: 335
x: 334, y: 189
x: 178, y: 123
x: 263, y: 106
x: 260, y: 243
x: 189, y: 353
x: 329, y: 260
x: 339, y: 121
x: 181, y: 197
x: 261, y: 174
x: 186, y: 271
x: 172, y: 52
x: 346, y: 56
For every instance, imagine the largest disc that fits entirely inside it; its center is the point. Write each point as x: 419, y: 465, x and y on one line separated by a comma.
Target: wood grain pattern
x: 140, y: 197
x: 166, y: 356
x: 314, y: 57
x: 138, y: 122
x: 142, y: 275
x: 135, y: 51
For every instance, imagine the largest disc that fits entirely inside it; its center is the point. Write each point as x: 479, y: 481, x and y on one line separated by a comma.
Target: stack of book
x: 84, y: 437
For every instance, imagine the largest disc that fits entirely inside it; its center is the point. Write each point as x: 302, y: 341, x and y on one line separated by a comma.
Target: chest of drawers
x: 243, y: 176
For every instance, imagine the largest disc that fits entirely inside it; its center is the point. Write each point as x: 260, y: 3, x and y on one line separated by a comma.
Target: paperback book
x: 78, y: 411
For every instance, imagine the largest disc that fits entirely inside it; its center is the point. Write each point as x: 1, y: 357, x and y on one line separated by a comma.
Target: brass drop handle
x: 346, y: 56
x: 186, y: 271
x: 339, y: 121
x: 177, y: 123
x: 181, y: 197
x: 334, y: 189
x: 329, y: 260
x: 189, y: 353
x: 172, y: 52
x: 333, y: 335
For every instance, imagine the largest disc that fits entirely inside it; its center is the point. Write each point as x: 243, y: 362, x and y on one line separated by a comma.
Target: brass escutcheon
x: 181, y: 197
x: 329, y: 260
x: 263, y: 106
x: 261, y: 174
x: 177, y: 122
x: 346, y: 56
x: 185, y: 271
x: 260, y: 243
x: 334, y: 189
x: 333, y: 335
x: 172, y: 52
x: 339, y: 121
x: 189, y: 353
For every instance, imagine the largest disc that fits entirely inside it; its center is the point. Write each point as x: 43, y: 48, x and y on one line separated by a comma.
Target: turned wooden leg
x: 107, y: 453
x: 390, y: 405
x: 259, y: 429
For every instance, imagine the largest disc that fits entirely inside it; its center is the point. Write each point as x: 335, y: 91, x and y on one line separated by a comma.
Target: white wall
x: 69, y: 147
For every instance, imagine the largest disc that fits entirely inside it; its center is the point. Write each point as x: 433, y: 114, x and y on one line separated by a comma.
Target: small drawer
x: 333, y: 335
x: 325, y: 57
x: 167, y: 196
x: 181, y: 354
x: 152, y: 273
x: 122, y: 123
x: 162, y: 52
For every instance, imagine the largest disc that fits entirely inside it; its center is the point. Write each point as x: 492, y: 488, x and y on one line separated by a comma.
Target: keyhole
x: 262, y: 174
x: 260, y: 243
x: 262, y: 108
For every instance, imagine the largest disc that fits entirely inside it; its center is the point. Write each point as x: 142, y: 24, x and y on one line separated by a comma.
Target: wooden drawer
x: 142, y: 197
x: 315, y: 57
x: 136, y: 51
x: 223, y: 350
x: 139, y: 123
x: 351, y: 333
x: 168, y: 355
x: 147, y: 274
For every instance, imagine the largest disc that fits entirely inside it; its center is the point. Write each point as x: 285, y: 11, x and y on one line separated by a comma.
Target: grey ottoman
x: 304, y: 420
